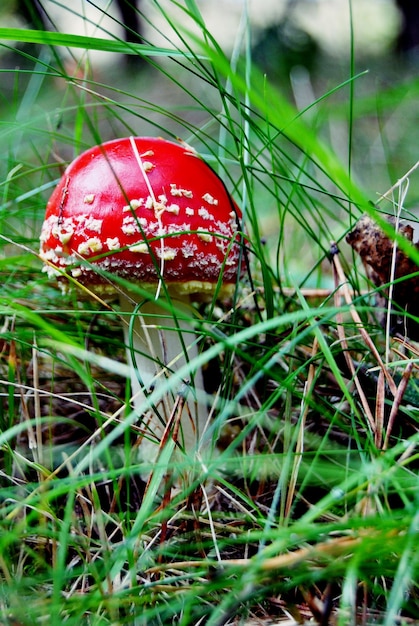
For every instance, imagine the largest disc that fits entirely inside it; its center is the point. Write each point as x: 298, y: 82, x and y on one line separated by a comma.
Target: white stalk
x: 159, y: 343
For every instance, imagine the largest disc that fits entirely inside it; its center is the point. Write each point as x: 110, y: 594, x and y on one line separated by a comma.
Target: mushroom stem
x: 159, y: 343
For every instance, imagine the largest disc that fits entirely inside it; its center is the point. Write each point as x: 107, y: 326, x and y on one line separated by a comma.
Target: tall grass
x: 301, y: 512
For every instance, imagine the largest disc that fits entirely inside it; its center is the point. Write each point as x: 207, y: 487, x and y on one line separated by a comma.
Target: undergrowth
x: 307, y: 506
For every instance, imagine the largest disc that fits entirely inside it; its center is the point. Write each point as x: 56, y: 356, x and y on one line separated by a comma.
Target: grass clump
x: 307, y: 508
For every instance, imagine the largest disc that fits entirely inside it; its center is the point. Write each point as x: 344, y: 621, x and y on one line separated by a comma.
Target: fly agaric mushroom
x: 152, y: 212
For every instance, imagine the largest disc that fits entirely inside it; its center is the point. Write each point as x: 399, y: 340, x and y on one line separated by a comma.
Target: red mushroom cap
x: 142, y: 208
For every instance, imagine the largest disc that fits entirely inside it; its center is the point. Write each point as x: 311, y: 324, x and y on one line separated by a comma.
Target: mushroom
x: 152, y: 212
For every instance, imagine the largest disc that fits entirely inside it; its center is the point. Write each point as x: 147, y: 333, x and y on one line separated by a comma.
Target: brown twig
x: 357, y: 320
x: 342, y: 338
x: 326, y: 550
x: 171, y: 431
x: 380, y: 404
x: 397, y: 401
